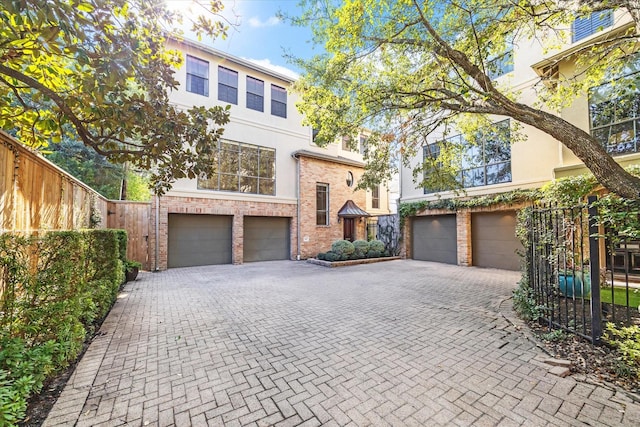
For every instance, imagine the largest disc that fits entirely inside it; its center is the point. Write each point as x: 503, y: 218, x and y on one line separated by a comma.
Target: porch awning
x: 351, y: 210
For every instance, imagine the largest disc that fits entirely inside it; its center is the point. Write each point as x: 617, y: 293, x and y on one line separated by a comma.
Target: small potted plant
x: 131, y: 269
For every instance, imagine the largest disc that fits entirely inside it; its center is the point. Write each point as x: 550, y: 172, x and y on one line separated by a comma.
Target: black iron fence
x: 584, y: 269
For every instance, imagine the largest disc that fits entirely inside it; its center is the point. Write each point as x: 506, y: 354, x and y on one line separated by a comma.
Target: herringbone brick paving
x: 290, y: 343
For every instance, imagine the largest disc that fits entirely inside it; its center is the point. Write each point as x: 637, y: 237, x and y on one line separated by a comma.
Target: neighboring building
x: 275, y: 195
x: 486, y: 236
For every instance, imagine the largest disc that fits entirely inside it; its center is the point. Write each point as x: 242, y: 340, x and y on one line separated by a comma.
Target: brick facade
x: 463, y: 236
x: 318, y: 238
x: 205, y: 206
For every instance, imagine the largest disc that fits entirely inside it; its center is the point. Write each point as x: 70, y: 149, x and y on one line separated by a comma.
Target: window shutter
x: 585, y: 26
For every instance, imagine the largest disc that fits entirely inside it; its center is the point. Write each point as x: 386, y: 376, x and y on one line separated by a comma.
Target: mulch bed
x: 597, y: 363
x: 40, y: 404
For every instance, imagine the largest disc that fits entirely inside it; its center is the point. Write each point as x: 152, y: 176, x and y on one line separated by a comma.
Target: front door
x: 349, y: 229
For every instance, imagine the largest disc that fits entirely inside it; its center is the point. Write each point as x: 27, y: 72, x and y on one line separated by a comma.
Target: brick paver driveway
x: 290, y: 343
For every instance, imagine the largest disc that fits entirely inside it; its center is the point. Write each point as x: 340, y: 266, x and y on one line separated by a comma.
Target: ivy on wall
x: 507, y: 198
x: 563, y: 191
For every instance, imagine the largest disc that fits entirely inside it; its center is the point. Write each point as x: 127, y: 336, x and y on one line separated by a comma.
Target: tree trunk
x: 605, y: 169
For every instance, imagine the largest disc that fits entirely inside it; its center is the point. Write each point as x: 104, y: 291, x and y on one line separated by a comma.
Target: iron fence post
x: 594, y: 262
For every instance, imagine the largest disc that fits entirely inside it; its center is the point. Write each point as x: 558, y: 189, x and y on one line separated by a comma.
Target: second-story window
x: 485, y: 161
x: 346, y: 143
x: 227, y: 85
x: 501, y: 62
x: 364, y: 147
x: 243, y: 168
x: 587, y: 25
x: 614, y: 111
x: 255, y: 94
x: 278, y: 101
x: 500, y: 65
x: 197, y: 76
x: 375, y: 197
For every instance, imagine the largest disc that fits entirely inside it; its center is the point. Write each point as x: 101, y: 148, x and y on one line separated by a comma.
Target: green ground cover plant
x: 627, y: 340
x: 53, y: 289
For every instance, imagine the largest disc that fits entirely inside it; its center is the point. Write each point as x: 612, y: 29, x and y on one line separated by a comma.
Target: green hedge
x: 342, y: 250
x: 53, y: 289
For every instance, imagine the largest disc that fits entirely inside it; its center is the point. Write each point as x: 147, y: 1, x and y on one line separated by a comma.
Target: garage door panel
x: 434, y: 239
x: 266, y: 238
x: 199, y: 240
x: 494, y: 241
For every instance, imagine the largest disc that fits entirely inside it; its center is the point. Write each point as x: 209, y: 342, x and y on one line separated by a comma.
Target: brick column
x: 405, y: 248
x: 463, y: 231
x: 237, y: 237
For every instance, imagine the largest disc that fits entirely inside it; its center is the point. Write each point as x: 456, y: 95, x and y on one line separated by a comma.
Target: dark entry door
x: 349, y: 228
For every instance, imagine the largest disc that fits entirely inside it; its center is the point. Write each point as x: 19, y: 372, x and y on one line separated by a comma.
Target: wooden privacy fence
x: 36, y: 196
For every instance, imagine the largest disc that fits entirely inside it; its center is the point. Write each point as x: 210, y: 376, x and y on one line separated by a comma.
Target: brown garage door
x: 434, y: 239
x: 266, y: 238
x: 199, y: 240
x: 494, y: 242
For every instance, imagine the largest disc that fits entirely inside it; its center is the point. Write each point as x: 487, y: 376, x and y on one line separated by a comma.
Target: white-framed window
x: 255, y: 94
x: 375, y: 197
x: 197, y: 76
x: 227, y: 85
x: 322, y: 204
x: 364, y: 147
x: 346, y: 146
x: 278, y: 101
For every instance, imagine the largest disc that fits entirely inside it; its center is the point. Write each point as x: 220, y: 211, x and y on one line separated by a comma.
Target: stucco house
x: 276, y: 195
x: 486, y: 236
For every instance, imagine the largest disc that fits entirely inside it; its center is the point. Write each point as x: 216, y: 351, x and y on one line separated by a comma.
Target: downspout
x: 399, y: 185
x: 297, y: 205
x: 155, y: 268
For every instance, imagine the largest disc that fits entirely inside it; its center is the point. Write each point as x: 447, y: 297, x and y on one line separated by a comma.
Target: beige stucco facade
x: 536, y: 159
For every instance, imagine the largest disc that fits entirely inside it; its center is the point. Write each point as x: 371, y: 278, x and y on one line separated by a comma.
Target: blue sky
x: 259, y: 35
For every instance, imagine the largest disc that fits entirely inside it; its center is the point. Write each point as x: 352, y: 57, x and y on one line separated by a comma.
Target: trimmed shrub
x: 122, y: 244
x: 373, y: 254
x: 54, y: 287
x: 106, y: 269
x: 377, y: 246
x: 331, y: 256
x: 361, y: 247
x: 342, y: 247
x: 321, y: 256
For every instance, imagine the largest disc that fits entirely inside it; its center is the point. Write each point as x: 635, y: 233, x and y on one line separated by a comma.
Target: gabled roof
x: 351, y: 210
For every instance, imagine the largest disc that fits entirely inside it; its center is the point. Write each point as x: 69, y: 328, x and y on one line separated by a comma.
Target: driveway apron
x: 289, y: 343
